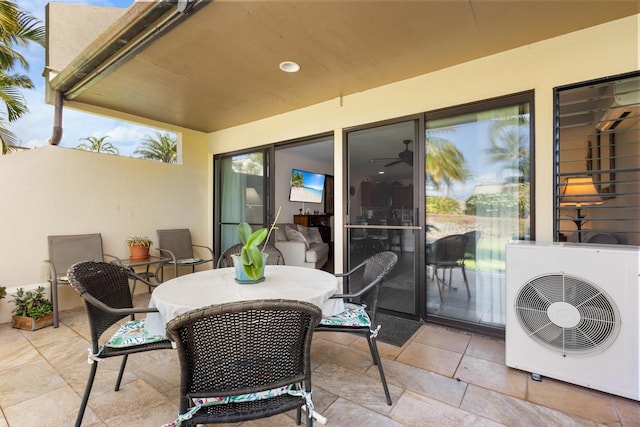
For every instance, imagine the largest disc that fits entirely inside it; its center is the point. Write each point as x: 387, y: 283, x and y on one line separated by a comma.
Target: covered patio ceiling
x: 215, y: 64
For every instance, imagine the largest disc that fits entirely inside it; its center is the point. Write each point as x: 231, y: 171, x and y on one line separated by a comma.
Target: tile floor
x: 440, y: 377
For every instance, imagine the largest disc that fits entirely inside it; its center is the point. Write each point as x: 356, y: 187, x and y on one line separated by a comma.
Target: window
x: 597, y: 161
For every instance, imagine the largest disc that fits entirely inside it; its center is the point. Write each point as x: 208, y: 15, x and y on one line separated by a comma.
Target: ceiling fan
x: 405, y: 156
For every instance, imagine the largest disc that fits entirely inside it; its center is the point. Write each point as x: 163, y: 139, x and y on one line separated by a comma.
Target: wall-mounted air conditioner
x: 573, y: 314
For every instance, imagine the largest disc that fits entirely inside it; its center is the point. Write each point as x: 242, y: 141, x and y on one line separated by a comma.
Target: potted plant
x: 249, y: 264
x: 32, y: 310
x: 138, y: 247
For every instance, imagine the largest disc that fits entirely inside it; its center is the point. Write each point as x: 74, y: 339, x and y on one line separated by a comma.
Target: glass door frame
x: 418, y: 203
x: 268, y: 187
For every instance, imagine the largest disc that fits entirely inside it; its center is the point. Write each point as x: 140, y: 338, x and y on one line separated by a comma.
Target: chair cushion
x: 243, y: 397
x: 353, y: 315
x: 132, y: 333
x: 188, y: 261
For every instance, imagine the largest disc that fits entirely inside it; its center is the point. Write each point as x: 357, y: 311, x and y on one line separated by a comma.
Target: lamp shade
x: 579, y: 191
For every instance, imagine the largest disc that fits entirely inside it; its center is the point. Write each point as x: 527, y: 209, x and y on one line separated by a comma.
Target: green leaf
x: 244, y: 230
x: 257, y: 237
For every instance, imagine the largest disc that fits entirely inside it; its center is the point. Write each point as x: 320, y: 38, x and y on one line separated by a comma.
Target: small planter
x: 31, y: 324
x: 241, y: 276
x: 138, y: 252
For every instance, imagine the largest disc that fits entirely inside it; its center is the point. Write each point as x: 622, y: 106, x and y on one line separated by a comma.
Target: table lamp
x: 579, y: 191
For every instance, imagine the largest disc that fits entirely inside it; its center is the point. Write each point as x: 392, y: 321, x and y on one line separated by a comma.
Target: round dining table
x: 218, y: 286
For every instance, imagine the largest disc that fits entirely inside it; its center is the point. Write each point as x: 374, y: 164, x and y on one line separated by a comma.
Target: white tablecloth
x: 184, y: 293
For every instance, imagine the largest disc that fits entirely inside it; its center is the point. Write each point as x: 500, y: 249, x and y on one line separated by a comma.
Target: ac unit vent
x: 567, y: 314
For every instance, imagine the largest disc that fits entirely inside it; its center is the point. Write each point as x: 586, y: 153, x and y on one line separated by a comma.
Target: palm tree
x: 98, y: 145
x: 162, y: 148
x: 17, y: 28
x: 510, y: 145
x: 444, y: 163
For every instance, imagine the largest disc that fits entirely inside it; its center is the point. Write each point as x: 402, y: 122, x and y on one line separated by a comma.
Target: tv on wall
x: 306, y: 187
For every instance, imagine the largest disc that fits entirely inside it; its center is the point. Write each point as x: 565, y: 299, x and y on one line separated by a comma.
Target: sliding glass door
x: 383, y: 212
x: 242, y: 194
x: 478, y: 197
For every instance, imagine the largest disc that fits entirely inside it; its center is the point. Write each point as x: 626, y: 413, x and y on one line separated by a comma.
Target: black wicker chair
x: 360, y: 318
x: 449, y: 252
x: 104, y: 289
x: 275, y: 256
x: 229, y: 351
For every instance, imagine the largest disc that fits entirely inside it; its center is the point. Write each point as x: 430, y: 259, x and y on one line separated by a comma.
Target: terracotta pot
x: 138, y: 252
x: 31, y: 324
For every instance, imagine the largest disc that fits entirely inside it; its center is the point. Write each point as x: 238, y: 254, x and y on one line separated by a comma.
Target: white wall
x: 583, y: 55
x: 285, y: 162
x: 54, y: 190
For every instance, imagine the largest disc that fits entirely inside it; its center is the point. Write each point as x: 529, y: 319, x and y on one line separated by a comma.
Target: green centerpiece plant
x: 251, y: 254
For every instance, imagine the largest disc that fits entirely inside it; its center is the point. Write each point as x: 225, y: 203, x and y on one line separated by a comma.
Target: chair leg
x: 87, y: 392
x: 54, y: 301
x: 121, y: 373
x: 466, y: 282
x: 376, y: 357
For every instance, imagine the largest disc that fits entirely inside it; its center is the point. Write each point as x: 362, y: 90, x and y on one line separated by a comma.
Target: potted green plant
x: 32, y: 310
x: 138, y: 247
x: 249, y: 264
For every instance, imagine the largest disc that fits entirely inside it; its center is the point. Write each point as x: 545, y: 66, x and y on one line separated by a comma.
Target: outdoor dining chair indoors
x: 104, y: 289
x: 177, y: 245
x: 244, y: 360
x: 360, y: 317
x: 447, y: 253
x: 66, y: 250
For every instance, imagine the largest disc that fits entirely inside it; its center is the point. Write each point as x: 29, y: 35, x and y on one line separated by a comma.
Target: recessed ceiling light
x: 289, y: 66
x: 381, y: 173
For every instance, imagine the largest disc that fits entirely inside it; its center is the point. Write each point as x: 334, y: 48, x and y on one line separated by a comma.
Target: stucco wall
x: 54, y: 190
x: 596, y: 52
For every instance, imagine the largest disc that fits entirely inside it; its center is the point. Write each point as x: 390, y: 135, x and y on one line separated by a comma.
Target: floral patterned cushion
x: 132, y: 333
x: 353, y: 315
x: 243, y: 397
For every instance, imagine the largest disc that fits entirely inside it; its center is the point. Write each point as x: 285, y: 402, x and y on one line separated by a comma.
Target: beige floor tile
x: 327, y: 351
x: 343, y: 338
x: 426, y: 383
x: 493, y: 376
x: 387, y: 351
x: 69, y: 351
x: 572, y: 399
x: 486, y: 348
x: 515, y: 412
x: 29, y: 381
x: 53, y: 409
x: 17, y: 351
x: 434, y: 359
x: 415, y: 410
x: 344, y: 413
x: 362, y: 389
x: 43, y: 337
x: 136, y: 404
x: 629, y: 411
x: 444, y: 338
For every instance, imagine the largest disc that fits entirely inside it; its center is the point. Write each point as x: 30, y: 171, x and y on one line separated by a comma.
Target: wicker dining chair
x: 361, y: 306
x: 244, y: 360
x: 104, y: 289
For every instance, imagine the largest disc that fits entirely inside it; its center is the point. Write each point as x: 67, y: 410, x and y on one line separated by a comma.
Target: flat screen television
x: 306, y: 187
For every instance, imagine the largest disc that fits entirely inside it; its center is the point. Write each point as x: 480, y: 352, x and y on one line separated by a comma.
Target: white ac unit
x: 573, y: 314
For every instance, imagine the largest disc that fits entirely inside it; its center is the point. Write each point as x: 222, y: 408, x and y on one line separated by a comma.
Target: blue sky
x: 34, y: 128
